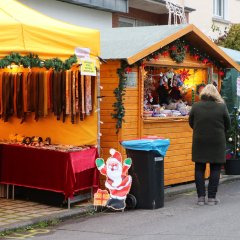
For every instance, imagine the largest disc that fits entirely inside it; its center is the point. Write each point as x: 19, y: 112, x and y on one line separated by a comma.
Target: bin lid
x: 148, y: 144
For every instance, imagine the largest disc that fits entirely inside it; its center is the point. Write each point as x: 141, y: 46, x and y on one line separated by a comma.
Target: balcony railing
x: 106, y: 5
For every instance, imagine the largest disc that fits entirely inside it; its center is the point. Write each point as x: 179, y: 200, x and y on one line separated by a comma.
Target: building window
x: 220, y: 8
x: 126, y: 22
x: 130, y: 22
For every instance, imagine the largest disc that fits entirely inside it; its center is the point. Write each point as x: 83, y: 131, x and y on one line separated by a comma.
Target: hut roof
x: 234, y: 54
x: 133, y: 44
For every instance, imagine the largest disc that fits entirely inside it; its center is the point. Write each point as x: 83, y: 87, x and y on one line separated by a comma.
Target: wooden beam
x: 221, y: 55
x: 159, y: 45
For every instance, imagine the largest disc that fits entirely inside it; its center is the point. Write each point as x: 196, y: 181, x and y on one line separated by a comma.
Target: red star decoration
x: 184, y: 74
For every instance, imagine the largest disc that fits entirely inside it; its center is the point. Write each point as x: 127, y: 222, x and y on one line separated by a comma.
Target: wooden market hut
x: 131, y: 54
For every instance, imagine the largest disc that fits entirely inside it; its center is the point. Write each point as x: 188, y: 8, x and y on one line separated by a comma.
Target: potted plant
x: 232, y: 166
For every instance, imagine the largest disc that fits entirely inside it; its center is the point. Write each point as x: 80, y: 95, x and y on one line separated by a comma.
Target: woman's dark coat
x: 209, y: 121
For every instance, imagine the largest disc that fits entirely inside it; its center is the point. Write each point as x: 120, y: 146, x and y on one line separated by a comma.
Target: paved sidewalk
x: 19, y: 214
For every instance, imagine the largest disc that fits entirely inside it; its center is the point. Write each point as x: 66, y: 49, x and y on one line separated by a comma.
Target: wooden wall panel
x: 109, y: 81
x: 178, y: 165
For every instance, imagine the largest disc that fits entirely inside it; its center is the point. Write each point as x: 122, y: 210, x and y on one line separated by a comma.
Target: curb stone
x: 68, y: 214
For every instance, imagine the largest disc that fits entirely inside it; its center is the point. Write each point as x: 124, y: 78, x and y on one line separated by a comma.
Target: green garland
x: 193, y: 96
x: 119, y: 92
x: 178, y: 51
x: 32, y: 60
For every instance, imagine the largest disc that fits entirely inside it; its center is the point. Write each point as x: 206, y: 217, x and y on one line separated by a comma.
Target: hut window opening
x: 170, y: 92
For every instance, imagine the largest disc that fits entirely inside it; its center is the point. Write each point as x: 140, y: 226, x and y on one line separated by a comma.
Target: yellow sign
x: 88, y: 67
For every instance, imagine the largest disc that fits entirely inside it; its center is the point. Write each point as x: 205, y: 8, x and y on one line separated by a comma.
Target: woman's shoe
x: 213, y: 201
x: 201, y: 201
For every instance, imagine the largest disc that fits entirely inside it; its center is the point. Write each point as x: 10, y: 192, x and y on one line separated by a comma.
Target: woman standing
x: 209, y: 119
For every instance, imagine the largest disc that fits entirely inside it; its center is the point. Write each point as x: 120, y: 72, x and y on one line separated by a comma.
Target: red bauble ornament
x: 156, y: 57
x: 173, y: 48
x: 196, y: 57
x: 165, y: 53
x: 128, y: 69
x: 205, y: 61
x: 186, y: 47
x: 221, y: 73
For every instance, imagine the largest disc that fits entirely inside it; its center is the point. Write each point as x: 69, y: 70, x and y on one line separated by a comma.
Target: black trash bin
x: 147, y: 171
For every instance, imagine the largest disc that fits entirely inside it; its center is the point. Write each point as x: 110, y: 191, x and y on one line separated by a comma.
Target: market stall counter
x: 52, y: 170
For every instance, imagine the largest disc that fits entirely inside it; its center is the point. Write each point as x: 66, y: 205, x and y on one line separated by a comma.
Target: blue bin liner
x: 160, y: 145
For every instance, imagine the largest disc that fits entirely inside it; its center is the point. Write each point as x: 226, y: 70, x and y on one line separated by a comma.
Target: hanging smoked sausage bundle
x: 40, y: 94
x: 73, y: 97
x: 1, y: 103
x: 82, y: 98
x: 24, y: 93
x: 80, y: 95
x: 19, y: 95
x: 66, y: 93
x: 93, y: 79
x: 50, y: 87
x: 59, y: 95
x: 45, y: 93
x: 88, y: 96
x: 63, y: 94
x: 29, y: 92
x: 36, y: 94
x: 56, y: 93
x: 53, y: 92
x: 7, y: 95
x: 77, y: 92
x: 5, y: 78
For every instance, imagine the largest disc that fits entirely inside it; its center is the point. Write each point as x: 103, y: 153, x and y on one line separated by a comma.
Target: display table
x: 63, y: 172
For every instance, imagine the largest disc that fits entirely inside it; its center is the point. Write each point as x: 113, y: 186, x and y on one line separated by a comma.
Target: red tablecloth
x: 65, y: 172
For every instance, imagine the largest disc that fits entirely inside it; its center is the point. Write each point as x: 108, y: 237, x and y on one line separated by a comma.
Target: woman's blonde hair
x: 210, y: 93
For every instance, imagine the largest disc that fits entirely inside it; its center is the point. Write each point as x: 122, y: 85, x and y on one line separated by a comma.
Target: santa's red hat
x: 116, y: 154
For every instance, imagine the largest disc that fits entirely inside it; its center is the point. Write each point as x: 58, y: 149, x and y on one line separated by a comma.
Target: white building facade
x: 212, y: 17
x: 72, y: 13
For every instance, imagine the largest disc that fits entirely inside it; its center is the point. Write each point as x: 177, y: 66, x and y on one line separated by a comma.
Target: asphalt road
x: 180, y: 219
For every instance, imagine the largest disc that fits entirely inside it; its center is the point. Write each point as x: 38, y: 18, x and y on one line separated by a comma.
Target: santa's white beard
x: 115, y: 176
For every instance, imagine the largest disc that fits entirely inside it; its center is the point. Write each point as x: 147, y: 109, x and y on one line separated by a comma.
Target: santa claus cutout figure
x: 118, y: 182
